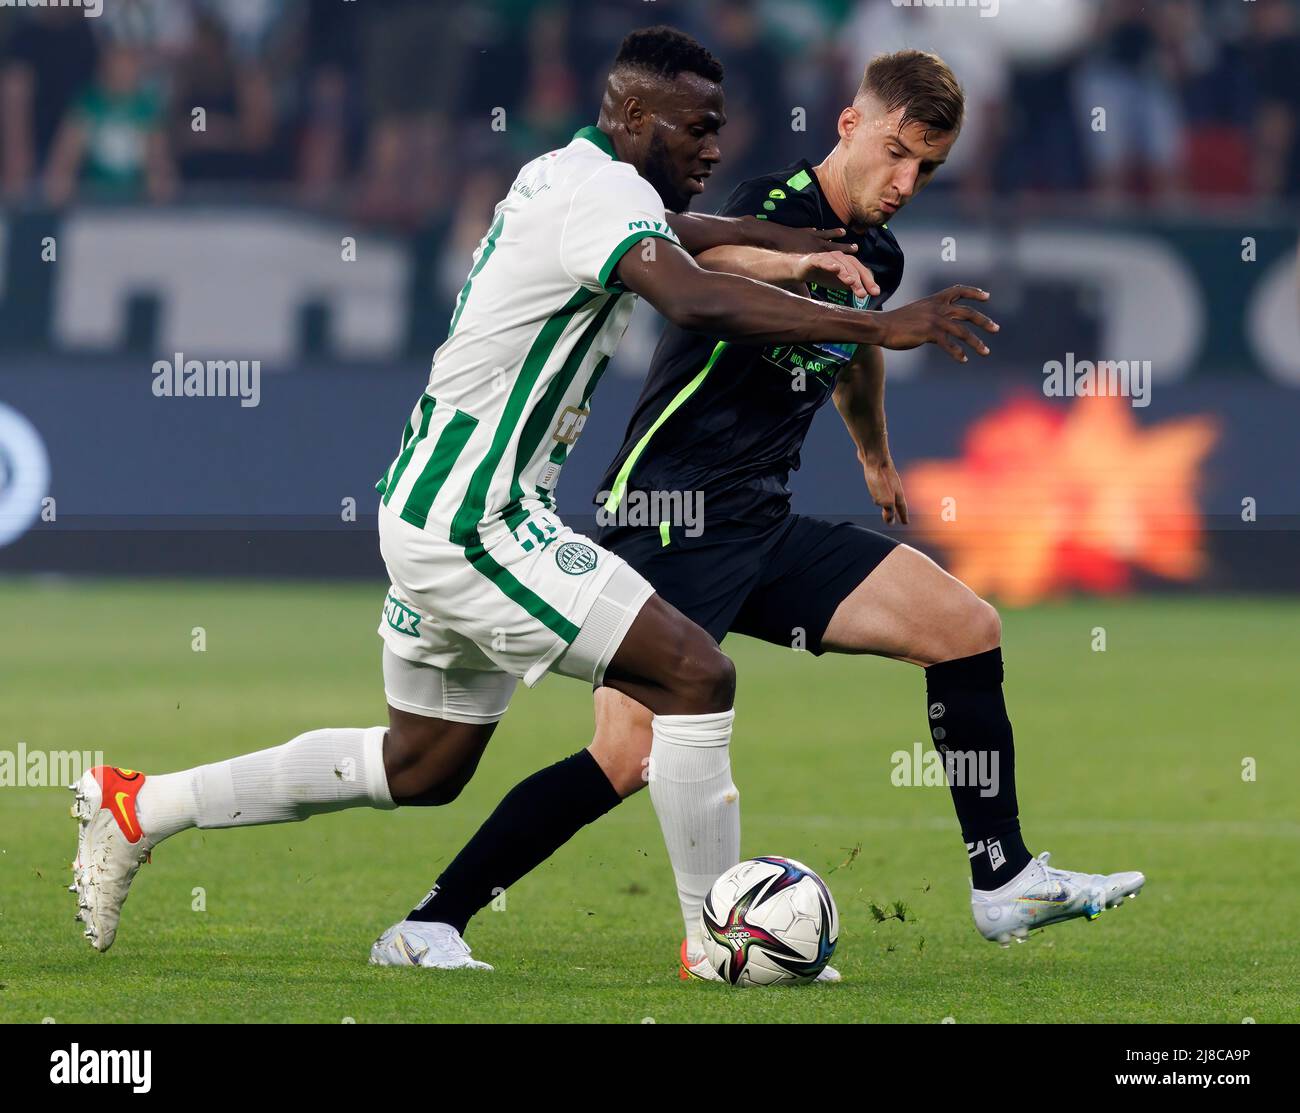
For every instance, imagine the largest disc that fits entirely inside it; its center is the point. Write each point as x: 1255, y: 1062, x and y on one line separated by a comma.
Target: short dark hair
x: 921, y: 84
x: 667, y: 52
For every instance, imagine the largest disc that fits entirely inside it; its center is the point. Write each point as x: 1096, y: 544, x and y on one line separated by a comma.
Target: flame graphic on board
x: 1048, y: 498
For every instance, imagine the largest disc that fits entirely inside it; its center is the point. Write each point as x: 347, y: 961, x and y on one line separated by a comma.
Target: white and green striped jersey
x: 534, y: 326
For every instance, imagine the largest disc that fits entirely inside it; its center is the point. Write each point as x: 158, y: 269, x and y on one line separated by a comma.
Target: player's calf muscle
x: 621, y: 746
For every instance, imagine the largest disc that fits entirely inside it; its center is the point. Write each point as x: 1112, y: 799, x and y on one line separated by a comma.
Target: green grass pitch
x: 1127, y: 758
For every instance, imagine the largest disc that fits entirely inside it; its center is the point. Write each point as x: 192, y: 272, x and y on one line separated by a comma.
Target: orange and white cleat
x: 111, y: 847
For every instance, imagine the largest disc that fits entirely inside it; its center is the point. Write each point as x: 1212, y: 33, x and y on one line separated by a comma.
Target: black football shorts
x: 767, y: 581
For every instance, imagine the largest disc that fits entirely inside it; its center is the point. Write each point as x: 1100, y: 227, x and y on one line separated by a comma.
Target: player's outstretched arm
x: 699, y: 232
x: 792, y: 272
x: 734, y: 308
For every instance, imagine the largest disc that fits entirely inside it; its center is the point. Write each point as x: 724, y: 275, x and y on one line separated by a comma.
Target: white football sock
x: 697, y: 804
x: 321, y: 771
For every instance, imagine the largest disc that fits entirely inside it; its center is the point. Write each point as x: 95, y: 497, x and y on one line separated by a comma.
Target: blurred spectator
x: 1208, y: 75
x: 251, y: 26
x: 331, y: 117
x: 550, y: 110
x: 237, y: 137
x: 160, y: 29
x: 758, y: 134
x: 1126, y: 74
x: 414, y: 63
x: 50, y: 58
x: 1273, y: 53
x: 113, y: 140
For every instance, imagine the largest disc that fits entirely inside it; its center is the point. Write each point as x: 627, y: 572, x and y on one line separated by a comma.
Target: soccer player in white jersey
x: 488, y: 586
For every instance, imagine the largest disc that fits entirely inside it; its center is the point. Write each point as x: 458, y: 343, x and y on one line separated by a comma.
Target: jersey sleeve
x: 770, y: 199
x: 611, y: 212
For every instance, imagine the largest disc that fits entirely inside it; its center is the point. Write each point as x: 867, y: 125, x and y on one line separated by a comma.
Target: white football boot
x: 415, y: 943
x: 111, y: 848
x: 1040, y: 895
x: 701, y: 969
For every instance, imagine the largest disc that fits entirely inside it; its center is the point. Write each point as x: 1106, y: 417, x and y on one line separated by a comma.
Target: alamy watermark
x: 1111, y: 378
x: 654, y: 508
x: 922, y: 767
x: 26, y: 768
x: 91, y: 9
x: 986, y: 7
x: 216, y: 378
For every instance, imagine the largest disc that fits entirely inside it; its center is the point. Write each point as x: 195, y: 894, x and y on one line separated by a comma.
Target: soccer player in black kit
x: 725, y: 422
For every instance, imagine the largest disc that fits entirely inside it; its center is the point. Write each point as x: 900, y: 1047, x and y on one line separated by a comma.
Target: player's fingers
x: 900, y: 504
x: 965, y: 336
x: 948, y: 344
x: 868, y: 280
x: 973, y: 293
x: 836, y: 234
x: 849, y: 277
x: 966, y: 313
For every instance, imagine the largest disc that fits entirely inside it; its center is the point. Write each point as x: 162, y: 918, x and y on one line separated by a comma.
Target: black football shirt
x: 728, y: 419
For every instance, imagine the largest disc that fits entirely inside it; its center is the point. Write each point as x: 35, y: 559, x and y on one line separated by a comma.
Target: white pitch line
x: 1246, y: 828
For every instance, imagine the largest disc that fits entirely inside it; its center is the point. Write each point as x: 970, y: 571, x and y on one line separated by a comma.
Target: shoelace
x: 1049, y: 874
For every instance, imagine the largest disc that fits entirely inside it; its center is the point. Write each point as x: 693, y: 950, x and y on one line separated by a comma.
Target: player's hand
x: 796, y: 241
x: 834, y: 268
x: 937, y: 320
x: 885, y: 486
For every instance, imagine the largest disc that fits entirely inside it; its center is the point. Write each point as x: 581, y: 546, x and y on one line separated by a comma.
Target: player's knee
x: 444, y: 792
x: 977, y: 628
x: 711, y: 679
x: 986, y: 626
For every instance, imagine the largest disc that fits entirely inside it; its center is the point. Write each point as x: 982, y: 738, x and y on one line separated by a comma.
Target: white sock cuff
x: 706, y: 731
x: 372, y: 753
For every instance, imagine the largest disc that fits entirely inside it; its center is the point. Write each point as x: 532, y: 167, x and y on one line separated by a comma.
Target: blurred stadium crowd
x: 384, y: 109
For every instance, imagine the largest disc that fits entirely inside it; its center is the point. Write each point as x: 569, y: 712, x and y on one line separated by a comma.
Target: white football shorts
x: 460, y: 625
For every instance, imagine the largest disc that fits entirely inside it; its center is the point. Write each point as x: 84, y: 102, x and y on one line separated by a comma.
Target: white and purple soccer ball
x: 769, y: 921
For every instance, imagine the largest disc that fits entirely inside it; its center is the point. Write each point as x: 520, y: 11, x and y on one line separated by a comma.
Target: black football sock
x: 536, y: 817
x: 969, y: 726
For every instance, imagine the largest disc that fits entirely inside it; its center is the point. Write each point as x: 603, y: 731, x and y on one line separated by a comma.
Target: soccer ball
x: 769, y: 921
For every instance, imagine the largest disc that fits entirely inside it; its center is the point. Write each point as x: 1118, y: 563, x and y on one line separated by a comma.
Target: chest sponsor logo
x: 575, y: 558
x: 823, y: 360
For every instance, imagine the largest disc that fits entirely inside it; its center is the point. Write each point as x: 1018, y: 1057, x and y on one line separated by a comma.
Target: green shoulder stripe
x: 607, y: 271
